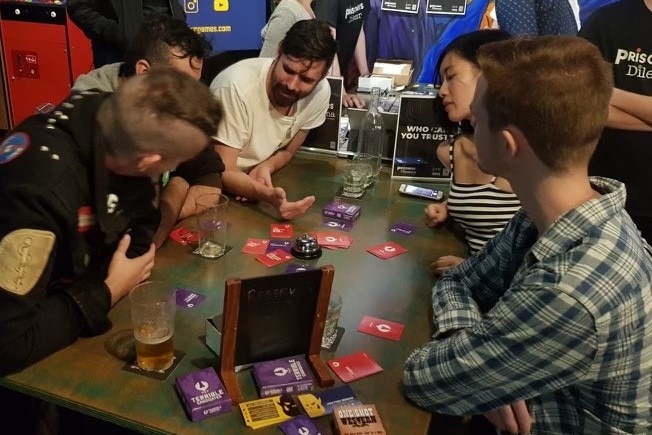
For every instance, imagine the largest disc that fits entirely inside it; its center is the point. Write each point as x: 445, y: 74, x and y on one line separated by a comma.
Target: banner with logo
x: 227, y: 24
x: 418, y: 134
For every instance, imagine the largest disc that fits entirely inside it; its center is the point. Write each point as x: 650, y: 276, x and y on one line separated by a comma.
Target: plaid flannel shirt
x: 563, y: 321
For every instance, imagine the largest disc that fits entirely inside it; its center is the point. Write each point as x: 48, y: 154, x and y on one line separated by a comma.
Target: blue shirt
x: 536, y: 17
x: 563, y: 321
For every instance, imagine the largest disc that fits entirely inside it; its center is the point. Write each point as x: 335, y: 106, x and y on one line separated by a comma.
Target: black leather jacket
x: 61, y: 217
x: 112, y: 22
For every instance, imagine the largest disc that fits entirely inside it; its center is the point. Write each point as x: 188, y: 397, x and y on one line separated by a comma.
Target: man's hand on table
x: 514, y: 418
x: 352, y: 100
x: 443, y: 263
x: 290, y: 210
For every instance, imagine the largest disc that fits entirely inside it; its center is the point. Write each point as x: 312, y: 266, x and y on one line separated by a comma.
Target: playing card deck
x: 203, y: 394
x: 284, y: 375
x: 358, y: 420
x: 341, y: 211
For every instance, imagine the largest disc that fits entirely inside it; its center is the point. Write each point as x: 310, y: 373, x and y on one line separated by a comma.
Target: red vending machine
x: 43, y: 52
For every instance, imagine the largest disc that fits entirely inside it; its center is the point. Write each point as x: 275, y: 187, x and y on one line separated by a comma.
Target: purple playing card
x: 188, y: 299
x: 300, y: 425
x: 275, y: 244
x: 294, y: 267
x: 337, y: 225
x: 403, y: 228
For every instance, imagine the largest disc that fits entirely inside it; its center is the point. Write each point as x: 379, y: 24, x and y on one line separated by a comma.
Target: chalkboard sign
x: 446, y: 7
x: 272, y: 317
x: 409, y: 6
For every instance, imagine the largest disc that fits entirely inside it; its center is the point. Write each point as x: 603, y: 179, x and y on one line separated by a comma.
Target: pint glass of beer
x: 153, y: 306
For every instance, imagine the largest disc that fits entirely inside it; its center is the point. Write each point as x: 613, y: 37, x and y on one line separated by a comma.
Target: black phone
x: 421, y: 192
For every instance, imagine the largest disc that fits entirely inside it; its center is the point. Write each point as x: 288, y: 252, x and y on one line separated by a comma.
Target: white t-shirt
x: 250, y: 123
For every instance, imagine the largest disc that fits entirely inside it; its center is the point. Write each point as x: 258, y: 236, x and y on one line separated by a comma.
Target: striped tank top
x: 482, y: 210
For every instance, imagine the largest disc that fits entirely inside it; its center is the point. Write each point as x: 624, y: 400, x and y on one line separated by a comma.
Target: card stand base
x: 320, y: 370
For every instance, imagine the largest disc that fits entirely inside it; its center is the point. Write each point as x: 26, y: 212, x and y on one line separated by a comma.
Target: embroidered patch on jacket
x: 85, y: 218
x: 24, y: 255
x: 13, y: 146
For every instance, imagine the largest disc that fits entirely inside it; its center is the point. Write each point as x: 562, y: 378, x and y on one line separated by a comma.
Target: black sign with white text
x: 409, y: 6
x: 418, y: 134
x: 446, y: 7
x: 326, y: 136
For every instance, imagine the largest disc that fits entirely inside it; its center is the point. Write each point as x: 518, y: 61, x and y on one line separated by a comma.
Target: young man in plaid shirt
x: 548, y: 329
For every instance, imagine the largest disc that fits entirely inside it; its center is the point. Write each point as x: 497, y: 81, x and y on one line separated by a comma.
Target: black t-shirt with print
x: 347, y: 16
x: 622, y: 31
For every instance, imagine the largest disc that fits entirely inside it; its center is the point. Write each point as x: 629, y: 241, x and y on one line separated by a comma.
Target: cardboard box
x: 341, y: 211
x: 289, y: 375
x: 358, y: 420
x: 399, y: 70
x: 365, y: 83
x: 203, y: 394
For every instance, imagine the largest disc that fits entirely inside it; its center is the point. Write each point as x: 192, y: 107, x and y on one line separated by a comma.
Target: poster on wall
x: 227, y: 24
x: 409, y: 6
x: 446, y: 7
x: 325, y: 138
x: 419, y: 131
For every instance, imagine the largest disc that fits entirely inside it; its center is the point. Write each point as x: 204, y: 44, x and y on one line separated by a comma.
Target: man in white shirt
x: 269, y: 105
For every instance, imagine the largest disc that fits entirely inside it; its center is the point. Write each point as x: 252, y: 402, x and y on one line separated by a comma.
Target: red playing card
x: 381, y: 328
x: 387, y: 250
x: 280, y: 231
x: 333, y: 240
x: 274, y: 258
x: 255, y: 246
x: 184, y: 236
x: 354, y: 366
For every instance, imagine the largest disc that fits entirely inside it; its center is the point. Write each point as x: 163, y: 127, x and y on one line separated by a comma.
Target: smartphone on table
x: 421, y: 192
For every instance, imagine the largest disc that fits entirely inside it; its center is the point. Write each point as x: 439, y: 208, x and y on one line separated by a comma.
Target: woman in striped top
x: 479, y: 202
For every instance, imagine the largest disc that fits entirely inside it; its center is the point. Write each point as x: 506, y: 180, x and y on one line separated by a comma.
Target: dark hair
x: 155, y: 39
x: 465, y: 46
x: 555, y: 89
x: 311, y: 40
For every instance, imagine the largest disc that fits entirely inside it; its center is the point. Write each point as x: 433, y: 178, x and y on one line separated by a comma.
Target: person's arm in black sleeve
x: 88, y: 16
x: 37, y: 318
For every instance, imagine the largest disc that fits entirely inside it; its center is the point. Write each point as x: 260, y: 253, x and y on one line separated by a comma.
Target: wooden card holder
x: 272, y: 317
